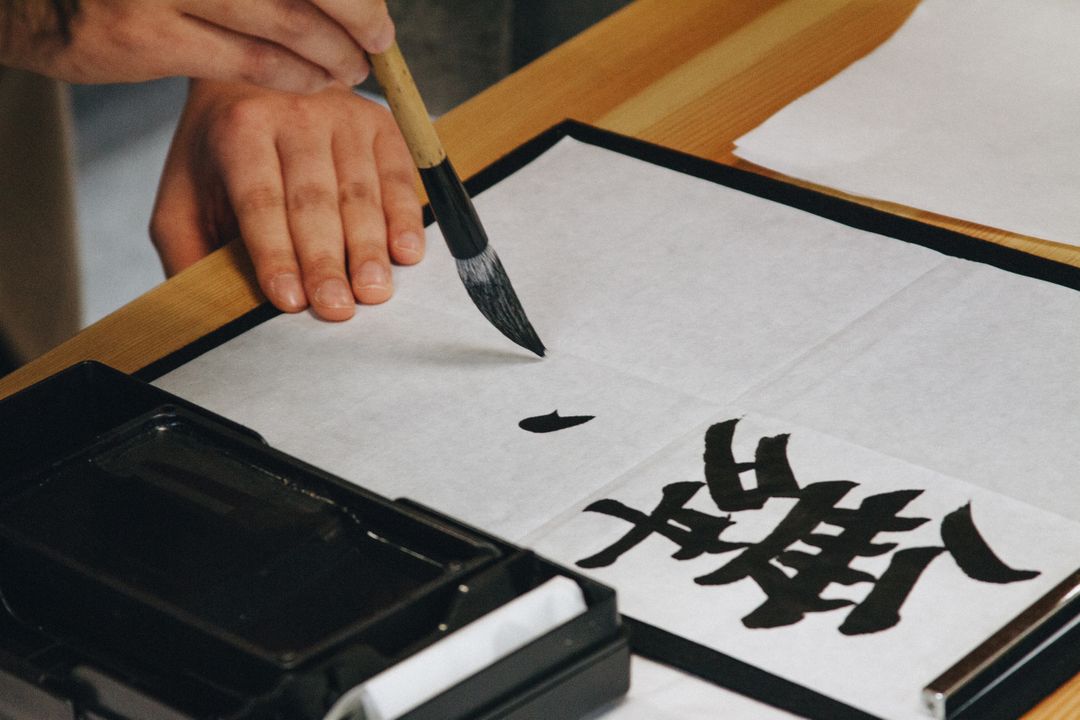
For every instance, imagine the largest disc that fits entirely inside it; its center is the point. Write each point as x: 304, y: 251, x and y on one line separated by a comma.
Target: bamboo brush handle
x: 408, y: 107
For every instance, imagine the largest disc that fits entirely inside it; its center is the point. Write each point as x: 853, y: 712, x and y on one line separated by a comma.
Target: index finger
x: 368, y: 21
x: 299, y: 27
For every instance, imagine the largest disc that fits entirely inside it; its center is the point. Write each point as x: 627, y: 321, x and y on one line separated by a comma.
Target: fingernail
x: 287, y: 290
x: 372, y: 275
x: 409, y: 243
x: 334, y: 293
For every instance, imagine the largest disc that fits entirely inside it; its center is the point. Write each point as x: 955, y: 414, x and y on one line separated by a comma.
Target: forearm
x: 254, y: 41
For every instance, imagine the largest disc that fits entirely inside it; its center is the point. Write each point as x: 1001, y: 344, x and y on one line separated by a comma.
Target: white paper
x: 945, y: 616
x: 977, y: 379
x: 969, y: 111
x: 669, y: 304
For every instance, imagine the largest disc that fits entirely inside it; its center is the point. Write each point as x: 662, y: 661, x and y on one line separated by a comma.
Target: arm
x: 296, y: 45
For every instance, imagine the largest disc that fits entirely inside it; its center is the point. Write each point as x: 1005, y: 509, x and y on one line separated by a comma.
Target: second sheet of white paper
x: 969, y: 110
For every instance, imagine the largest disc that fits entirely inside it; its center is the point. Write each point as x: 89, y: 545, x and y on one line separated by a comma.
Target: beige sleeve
x: 39, y: 293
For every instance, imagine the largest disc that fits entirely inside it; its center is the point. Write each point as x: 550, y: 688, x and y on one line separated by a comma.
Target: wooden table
x: 693, y: 75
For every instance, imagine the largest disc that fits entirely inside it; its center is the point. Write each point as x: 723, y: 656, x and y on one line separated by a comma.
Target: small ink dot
x: 552, y: 422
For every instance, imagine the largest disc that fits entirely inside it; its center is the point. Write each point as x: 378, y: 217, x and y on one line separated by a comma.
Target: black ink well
x: 159, y: 561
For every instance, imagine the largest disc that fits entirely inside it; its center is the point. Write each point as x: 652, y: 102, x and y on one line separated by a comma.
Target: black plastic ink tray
x: 158, y: 561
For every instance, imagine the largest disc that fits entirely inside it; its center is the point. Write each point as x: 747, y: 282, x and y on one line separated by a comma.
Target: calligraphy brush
x: 477, y: 264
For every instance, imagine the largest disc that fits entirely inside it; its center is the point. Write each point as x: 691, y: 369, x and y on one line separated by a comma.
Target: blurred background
x: 455, y: 49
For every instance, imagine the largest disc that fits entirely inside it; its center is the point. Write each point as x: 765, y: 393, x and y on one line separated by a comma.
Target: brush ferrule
x: 453, y: 211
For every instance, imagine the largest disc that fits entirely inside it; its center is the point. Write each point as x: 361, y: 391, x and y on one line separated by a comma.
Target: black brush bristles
x: 477, y: 264
x: 490, y: 289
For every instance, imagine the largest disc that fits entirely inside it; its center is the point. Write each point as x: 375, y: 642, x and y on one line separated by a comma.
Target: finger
x: 297, y: 25
x: 253, y: 181
x: 401, y: 205
x: 311, y: 196
x: 176, y: 227
x: 204, y: 50
x: 368, y: 21
x: 362, y: 216
x: 177, y: 233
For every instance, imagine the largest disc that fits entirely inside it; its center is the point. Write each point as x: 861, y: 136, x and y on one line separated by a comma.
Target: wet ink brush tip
x: 489, y: 287
x: 478, y: 266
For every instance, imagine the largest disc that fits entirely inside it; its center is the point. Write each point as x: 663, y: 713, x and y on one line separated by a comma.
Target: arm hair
x: 36, y: 18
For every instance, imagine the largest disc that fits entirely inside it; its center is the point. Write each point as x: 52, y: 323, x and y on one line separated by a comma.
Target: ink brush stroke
x: 478, y: 266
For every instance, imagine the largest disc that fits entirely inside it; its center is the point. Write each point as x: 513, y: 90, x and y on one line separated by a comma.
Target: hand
x: 295, y: 45
x: 320, y: 187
